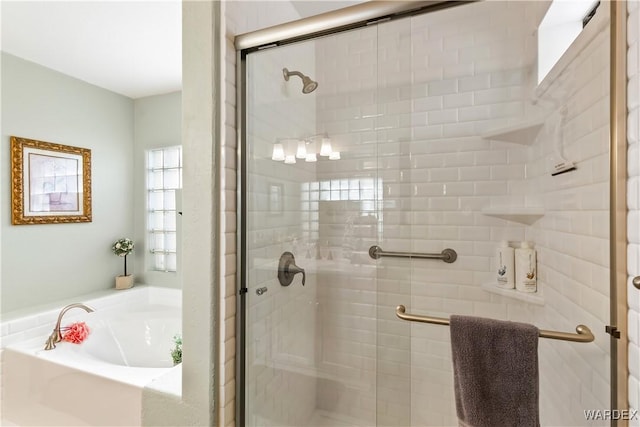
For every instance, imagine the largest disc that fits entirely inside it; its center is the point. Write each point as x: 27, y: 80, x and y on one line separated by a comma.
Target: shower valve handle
x: 287, y: 269
x: 294, y: 269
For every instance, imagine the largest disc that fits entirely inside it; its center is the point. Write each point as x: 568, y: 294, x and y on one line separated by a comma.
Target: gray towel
x: 495, y: 371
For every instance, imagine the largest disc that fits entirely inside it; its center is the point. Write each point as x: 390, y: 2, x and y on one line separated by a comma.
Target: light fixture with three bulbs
x: 304, y: 149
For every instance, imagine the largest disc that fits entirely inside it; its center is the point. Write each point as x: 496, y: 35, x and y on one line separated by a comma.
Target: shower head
x: 308, y: 85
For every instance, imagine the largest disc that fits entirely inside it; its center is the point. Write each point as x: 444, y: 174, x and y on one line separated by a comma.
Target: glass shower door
x: 281, y: 321
x: 440, y: 137
x: 485, y: 137
x: 312, y: 194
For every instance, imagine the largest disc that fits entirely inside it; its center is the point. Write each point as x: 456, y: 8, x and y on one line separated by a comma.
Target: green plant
x: 176, y: 352
x: 123, y: 247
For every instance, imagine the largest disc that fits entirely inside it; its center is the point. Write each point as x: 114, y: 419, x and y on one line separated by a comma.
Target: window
x: 362, y: 197
x: 561, y: 25
x: 164, y: 177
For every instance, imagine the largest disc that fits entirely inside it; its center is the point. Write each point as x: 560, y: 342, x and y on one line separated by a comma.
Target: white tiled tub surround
x: 21, y: 328
x: 633, y: 194
x: 406, y: 102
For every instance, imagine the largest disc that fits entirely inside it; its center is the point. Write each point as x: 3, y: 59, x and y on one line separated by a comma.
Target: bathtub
x: 98, y: 382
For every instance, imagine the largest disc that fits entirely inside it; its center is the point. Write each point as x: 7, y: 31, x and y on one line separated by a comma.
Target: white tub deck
x: 74, y: 385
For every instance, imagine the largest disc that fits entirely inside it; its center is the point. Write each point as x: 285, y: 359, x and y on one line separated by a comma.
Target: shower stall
x: 370, y: 151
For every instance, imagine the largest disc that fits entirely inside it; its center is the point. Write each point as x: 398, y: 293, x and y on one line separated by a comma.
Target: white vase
x: 124, y: 282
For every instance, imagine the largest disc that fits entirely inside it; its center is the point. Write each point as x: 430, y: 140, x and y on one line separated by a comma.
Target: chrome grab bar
x: 584, y: 334
x: 447, y: 255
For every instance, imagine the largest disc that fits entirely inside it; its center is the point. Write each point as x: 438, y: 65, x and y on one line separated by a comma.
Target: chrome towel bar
x: 447, y: 255
x: 584, y: 334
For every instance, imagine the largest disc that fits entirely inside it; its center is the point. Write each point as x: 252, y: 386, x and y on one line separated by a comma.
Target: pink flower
x: 76, y: 332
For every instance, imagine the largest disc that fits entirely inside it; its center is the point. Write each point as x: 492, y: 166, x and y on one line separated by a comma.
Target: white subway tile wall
x: 633, y: 204
x: 436, y: 175
x: 226, y: 371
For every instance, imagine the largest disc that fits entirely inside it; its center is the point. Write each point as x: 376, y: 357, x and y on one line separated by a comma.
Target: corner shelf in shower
x: 523, y: 215
x: 530, y: 297
x: 523, y: 133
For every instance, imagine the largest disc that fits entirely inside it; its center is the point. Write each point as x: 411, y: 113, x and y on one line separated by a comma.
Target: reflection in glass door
x: 311, y: 349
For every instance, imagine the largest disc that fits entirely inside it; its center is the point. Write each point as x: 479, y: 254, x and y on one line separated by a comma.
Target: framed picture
x: 50, y: 183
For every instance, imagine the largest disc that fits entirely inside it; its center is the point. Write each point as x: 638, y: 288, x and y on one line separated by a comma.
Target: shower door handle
x: 287, y: 269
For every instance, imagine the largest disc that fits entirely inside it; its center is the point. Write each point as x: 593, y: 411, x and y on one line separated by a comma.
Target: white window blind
x: 164, y: 177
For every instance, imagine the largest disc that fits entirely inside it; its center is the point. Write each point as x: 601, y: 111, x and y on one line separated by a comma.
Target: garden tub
x: 99, y: 381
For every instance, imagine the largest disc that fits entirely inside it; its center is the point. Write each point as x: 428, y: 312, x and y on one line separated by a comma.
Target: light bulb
x: 311, y: 157
x: 290, y: 159
x: 278, y: 152
x: 325, y: 148
x: 335, y: 155
x: 301, y: 152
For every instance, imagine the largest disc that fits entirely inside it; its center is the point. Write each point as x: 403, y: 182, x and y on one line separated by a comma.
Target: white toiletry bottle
x: 505, y: 266
x: 526, y: 274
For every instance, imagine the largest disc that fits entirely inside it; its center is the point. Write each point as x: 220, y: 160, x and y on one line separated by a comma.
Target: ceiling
x: 129, y: 47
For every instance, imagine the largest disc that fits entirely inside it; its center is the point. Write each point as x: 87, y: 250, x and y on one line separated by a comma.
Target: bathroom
x: 208, y: 325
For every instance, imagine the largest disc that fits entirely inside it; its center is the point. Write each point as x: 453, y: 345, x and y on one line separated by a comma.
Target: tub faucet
x: 56, y: 335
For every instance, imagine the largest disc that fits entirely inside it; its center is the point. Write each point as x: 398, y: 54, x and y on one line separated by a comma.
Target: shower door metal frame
x: 372, y: 12
x: 619, y: 340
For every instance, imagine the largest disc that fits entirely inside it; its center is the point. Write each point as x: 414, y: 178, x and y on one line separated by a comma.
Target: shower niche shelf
x: 523, y: 215
x: 523, y: 133
x: 532, y: 297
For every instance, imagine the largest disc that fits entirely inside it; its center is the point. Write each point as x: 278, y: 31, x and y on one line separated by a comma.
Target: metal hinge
x: 613, y: 331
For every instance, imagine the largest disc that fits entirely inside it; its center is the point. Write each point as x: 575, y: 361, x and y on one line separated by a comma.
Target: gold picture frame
x: 50, y: 183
